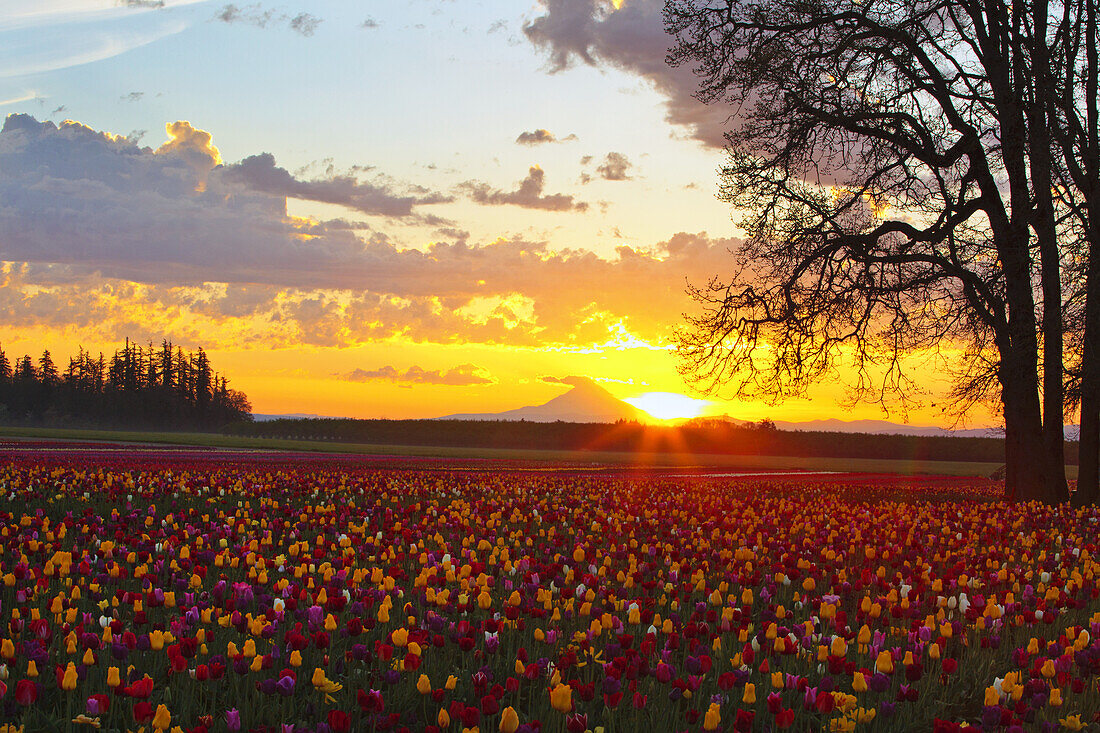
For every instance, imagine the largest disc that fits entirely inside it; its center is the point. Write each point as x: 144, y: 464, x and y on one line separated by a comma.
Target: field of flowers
x: 211, y: 592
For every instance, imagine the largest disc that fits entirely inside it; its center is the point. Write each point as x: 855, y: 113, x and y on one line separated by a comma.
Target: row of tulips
x: 303, y: 595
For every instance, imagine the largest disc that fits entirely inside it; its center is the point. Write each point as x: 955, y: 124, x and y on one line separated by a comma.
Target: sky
x: 369, y: 209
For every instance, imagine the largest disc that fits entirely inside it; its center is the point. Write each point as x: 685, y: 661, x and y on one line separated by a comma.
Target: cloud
x: 157, y: 4
x: 304, y: 23
x: 259, y: 173
x: 260, y: 17
x: 614, y: 167
x: 25, y: 52
x: 463, y: 375
x: 534, y: 137
x: 528, y: 195
x: 540, y: 136
x: 106, y: 234
x: 370, y: 23
x: 570, y: 381
x: 28, y: 97
x: 132, y: 97
x: 631, y: 38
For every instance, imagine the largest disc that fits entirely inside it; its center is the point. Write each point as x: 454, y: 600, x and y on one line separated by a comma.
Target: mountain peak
x: 585, y: 402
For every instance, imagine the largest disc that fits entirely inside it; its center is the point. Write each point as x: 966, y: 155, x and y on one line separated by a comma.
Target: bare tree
x: 883, y: 154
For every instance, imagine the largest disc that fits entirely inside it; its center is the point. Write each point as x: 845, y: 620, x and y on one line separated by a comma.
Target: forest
x: 161, y: 387
x: 711, y: 437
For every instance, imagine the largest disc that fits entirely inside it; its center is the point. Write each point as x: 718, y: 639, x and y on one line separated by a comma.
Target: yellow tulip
x: 1072, y: 722
x: 509, y: 720
x: 162, y: 719
x: 749, y: 695
x: 561, y: 698
x: 424, y: 685
x: 713, y: 717
x: 68, y: 680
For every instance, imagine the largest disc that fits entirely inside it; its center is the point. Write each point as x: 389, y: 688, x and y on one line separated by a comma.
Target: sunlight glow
x: 668, y: 405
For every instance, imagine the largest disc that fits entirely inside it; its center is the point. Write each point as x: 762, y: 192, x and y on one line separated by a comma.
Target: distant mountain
x: 586, y: 402
x: 262, y: 417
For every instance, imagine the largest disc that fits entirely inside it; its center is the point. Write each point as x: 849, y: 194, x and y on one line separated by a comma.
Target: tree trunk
x: 1025, y: 478
x: 1088, y: 471
x: 1040, y: 160
x: 1025, y: 464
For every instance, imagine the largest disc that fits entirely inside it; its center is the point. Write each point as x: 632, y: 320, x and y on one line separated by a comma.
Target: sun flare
x: 669, y: 405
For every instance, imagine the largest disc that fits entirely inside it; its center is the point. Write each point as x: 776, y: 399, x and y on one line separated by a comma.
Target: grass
x: 662, y: 460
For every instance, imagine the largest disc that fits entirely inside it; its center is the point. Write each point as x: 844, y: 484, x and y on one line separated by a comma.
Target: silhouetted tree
x: 129, y: 390
x: 895, y: 163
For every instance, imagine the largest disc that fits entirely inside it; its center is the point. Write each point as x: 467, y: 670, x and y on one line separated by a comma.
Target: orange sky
x: 411, y: 214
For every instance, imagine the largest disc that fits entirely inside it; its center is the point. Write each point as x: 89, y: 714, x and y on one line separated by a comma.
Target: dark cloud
x: 630, y: 38
x: 260, y: 173
x: 250, y: 14
x: 571, y: 381
x: 527, y: 195
x: 370, y: 23
x: 614, y: 167
x: 304, y: 23
x: 109, y: 232
x: 260, y: 17
x: 536, y: 137
x: 463, y: 375
x: 132, y: 97
x: 540, y: 136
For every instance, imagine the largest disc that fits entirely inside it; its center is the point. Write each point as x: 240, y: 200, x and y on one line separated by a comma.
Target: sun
x: 668, y: 405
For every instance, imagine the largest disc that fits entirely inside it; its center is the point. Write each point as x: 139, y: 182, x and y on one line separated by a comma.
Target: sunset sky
x: 366, y: 209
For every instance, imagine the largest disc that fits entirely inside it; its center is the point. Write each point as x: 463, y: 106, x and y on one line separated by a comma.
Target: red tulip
x: 339, y: 721
x: 143, y: 712
x: 26, y: 692
x: 576, y: 723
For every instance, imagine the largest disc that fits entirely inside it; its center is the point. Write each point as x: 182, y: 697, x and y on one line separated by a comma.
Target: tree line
x: 153, y: 387
x: 628, y: 436
x: 916, y: 176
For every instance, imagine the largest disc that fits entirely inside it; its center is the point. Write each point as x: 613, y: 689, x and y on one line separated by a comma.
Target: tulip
x: 1072, y: 722
x: 339, y: 721
x: 162, y: 719
x: 26, y: 692
x: 713, y: 717
x: 233, y: 719
x: 561, y: 698
x: 509, y: 720
x: 69, y: 678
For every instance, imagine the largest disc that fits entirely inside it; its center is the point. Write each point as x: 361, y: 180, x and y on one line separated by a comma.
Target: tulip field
x: 223, y: 591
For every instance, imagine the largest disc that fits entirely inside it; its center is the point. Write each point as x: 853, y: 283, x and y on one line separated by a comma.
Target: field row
x: 234, y: 594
